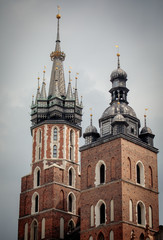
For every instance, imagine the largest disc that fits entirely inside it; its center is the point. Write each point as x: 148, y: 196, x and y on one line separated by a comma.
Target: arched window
x: 34, y: 230
x: 128, y: 168
x: 54, y: 151
x: 71, y: 176
x: 112, y: 210
x: 102, y: 173
x: 43, y: 229
x: 130, y: 210
x: 37, y: 176
x: 150, y: 217
x: 141, y: 213
x: 61, y: 228
x: 71, y: 145
x: 90, y: 238
x: 111, y: 235
x: 140, y: 173
x: 141, y: 236
x: 26, y: 232
x: 39, y: 136
x: 102, y: 213
x: 71, y: 226
x: 101, y: 236
x: 62, y: 199
x: 151, y: 177
x: 92, y: 216
x: 71, y: 203
x: 36, y: 203
x: 100, y: 209
x: 55, y: 134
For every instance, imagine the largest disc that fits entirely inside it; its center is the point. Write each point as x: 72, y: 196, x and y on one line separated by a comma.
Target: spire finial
x: 145, y: 117
x: 91, y: 116
x: 58, y: 17
x: 118, y: 55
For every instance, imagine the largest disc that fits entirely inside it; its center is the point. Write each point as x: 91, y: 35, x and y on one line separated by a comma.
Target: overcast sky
x: 89, y: 32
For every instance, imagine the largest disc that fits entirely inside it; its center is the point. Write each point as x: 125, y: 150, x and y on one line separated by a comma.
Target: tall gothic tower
x: 49, y: 199
x: 119, y: 182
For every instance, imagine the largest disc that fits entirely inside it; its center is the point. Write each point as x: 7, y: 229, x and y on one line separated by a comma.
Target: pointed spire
x: 57, y: 47
x: 43, y: 89
x: 69, y: 89
x: 38, y: 90
x: 76, y: 91
x: 57, y: 57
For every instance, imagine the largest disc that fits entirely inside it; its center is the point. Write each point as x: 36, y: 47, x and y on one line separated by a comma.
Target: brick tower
x: 49, y: 199
x: 119, y: 182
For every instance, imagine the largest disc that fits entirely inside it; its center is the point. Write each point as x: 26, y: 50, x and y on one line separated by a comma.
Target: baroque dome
x: 91, y: 129
x: 113, y: 110
x: 146, y: 130
x: 118, y: 73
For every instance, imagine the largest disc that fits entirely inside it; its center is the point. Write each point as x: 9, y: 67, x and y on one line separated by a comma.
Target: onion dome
x: 146, y: 130
x: 91, y: 133
x: 146, y: 134
x: 118, y: 73
x: 113, y: 109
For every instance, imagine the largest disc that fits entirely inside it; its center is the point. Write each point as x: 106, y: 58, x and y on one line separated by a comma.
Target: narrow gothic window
x: 92, y: 216
x: 130, y: 210
x: 140, y: 173
x: 112, y: 210
x: 38, y: 178
x: 54, y: 151
x: 71, y: 226
x: 101, y: 236
x: 141, y: 237
x: 26, y: 232
x: 39, y: 136
x: 150, y: 176
x: 150, y: 217
x: 70, y: 203
x: 34, y: 231
x: 43, y: 229
x: 102, y: 213
x: 36, y: 203
x: 55, y: 134
x: 111, y: 235
x: 129, y: 168
x: 61, y: 228
x: 71, y: 145
x: 141, y: 213
x: 62, y: 199
x: 70, y: 177
x: 102, y: 174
